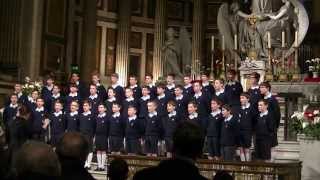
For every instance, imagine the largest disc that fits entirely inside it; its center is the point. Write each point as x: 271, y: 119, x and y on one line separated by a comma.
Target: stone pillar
x: 10, y: 13
x: 70, y: 31
x: 122, y: 52
x: 88, y: 55
x: 197, y: 36
x: 31, y: 23
x: 159, y: 38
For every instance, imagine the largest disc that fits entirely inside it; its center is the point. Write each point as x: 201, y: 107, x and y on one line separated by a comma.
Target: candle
x: 269, y: 39
x: 283, y: 39
x: 296, y: 39
x: 223, y: 43
x: 235, y: 42
x: 212, y: 43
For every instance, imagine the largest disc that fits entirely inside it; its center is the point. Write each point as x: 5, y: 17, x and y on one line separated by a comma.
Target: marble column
x: 70, y: 37
x: 88, y: 54
x: 197, y: 36
x: 159, y: 38
x: 123, y: 37
x: 31, y: 23
x: 10, y: 13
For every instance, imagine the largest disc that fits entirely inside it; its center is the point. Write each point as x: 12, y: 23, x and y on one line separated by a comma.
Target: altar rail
x: 239, y: 170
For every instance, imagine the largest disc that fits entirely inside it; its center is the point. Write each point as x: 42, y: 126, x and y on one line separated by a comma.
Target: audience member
x: 36, y: 160
x: 118, y: 170
x: 73, y: 150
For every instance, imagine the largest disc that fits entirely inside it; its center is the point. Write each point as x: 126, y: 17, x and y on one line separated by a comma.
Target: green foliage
x: 310, y: 130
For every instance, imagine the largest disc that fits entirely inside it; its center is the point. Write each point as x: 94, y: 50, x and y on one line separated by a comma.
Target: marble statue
x: 252, y: 27
x: 177, y: 52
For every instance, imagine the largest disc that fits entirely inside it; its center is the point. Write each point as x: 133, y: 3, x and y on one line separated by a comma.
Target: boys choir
x: 138, y: 120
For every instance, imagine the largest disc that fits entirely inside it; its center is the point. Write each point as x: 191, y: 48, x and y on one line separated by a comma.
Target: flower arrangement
x: 307, y: 122
x: 30, y: 86
x: 314, y: 66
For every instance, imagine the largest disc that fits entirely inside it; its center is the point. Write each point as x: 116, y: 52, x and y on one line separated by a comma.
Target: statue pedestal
x: 248, y: 67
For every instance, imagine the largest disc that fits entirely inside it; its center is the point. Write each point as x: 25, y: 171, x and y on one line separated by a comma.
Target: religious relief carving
x: 262, y: 28
x: 177, y: 52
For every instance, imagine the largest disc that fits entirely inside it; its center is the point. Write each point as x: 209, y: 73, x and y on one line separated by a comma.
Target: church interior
x: 159, y: 37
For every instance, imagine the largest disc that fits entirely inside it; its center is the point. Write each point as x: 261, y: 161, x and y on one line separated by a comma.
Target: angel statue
x: 252, y: 27
x: 177, y: 52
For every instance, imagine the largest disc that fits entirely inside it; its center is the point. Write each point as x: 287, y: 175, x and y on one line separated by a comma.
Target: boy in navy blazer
x: 110, y: 100
x: 133, y: 84
x: 247, y: 117
x: 101, y: 90
x: 149, y: 82
x: 129, y: 101
x: 202, y: 100
x: 87, y: 128
x: 162, y: 100
x: 39, y: 114
x: 187, y: 88
x: 181, y: 101
x: 116, y: 129
x: 273, y: 108
x: 117, y: 87
x: 170, y: 123
x: 213, y: 129
x: 72, y: 96
x: 169, y: 90
x: 265, y: 128
x: 46, y: 93
x: 207, y: 88
x: 22, y: 98
x: 143, y: 110
x: 31, y: 101
x: 233, y: 89
x: 153, y: 129
x: 133, y: 131
x: 81, y: 86
x: 94, y: 99
x: 254, y: 90
x: 101, y: 136
x: 56, y: 96
x: 220, y: 91
x: 229, y: 133
x: 194, y: 116
x: 72, y: 117
x: 57, y: 123
x: 10, y: 111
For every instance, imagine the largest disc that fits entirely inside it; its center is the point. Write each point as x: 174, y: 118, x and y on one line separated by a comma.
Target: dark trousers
x: 116, y: 143
x: 151, y: 144
x: 169, y: 143
x: 263, y: 148
x: 228, y: 152
x: 213, y: 146
x: 133, y: 146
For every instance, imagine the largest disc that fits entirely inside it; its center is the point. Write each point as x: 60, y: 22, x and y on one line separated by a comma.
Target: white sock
x: 242, y: 157
x: 103, y: 160
x: 89, y: 159
x: 99, y: 160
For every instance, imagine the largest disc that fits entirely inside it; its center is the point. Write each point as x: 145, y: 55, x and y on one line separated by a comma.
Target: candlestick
x: 235, y: 42
x: 212, y: 43
x: 269, y: 39
x: 296, y: 39
x: 223, y: 43
x: 283, y: 39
